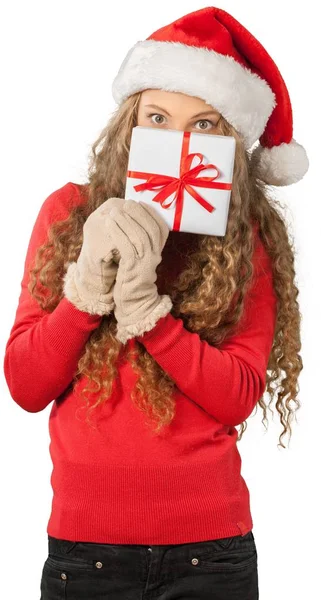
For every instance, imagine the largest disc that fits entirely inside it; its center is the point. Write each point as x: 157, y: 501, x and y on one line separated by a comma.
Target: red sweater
x: 119, y: 483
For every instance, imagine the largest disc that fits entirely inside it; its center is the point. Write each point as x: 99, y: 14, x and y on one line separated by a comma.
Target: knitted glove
x: 139, y: 233
x: 89, y: 282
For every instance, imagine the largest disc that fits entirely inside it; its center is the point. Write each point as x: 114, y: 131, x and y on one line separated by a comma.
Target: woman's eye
x: 204, y: 121
x: 158, y: 119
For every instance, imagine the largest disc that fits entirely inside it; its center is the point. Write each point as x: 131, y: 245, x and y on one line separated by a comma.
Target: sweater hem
x: 159, y: 504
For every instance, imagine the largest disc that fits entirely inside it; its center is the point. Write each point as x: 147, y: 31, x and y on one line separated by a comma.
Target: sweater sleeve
x: 43, y: 349
x: 228, y: 380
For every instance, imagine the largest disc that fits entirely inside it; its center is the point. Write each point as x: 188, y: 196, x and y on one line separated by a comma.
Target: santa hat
x: 209, y: 54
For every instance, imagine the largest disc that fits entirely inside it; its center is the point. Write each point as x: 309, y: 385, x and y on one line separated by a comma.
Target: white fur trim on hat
x: 242, y: 97
x: 281, y: 165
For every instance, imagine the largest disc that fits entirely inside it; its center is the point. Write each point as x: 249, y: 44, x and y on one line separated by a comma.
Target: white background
x: 58, y: 60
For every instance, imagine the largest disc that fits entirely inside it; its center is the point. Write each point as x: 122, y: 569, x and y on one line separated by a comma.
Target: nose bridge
x: 179, y: 123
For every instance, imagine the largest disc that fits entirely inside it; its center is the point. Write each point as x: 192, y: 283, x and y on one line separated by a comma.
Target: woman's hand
x: 89, y: 282
x: 139, y: 233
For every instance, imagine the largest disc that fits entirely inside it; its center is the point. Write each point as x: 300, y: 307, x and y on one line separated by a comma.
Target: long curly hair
x: 221, y: 262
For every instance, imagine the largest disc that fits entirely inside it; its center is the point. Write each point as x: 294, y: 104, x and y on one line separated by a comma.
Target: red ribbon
x: 188, y: 178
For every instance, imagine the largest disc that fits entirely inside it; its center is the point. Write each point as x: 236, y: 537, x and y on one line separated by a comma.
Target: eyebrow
x: 207, y: 112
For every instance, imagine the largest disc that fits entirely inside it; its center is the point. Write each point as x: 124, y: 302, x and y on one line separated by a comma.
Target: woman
x: 156, y: 344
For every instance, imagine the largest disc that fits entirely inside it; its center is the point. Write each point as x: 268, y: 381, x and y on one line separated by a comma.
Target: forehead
x: 175, y: 100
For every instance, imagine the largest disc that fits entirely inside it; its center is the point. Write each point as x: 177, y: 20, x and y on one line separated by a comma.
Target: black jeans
x: 222, y: 569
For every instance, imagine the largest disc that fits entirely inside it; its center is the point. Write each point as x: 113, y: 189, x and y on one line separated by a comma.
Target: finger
x: 119, y: 239
x: 114, y: 203
x: 164, y: 229
x: 110, y: 203
x: 138, y: 213
x: 135, y: 231
x: 151, y: 221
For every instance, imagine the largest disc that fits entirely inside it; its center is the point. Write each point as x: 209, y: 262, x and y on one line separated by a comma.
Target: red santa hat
x: 209, y: 54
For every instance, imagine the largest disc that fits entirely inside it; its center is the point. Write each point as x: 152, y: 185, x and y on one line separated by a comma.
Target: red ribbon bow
x: 187, y: 179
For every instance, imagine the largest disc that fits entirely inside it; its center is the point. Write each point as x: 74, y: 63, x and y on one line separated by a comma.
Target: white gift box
x: 160, y: 163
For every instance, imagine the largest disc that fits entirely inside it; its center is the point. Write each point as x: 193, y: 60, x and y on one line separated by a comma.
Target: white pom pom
x: 280, y: 165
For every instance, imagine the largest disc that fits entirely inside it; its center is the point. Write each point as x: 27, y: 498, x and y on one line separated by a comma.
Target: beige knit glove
x: 139, y: 233
x: 89, y: 282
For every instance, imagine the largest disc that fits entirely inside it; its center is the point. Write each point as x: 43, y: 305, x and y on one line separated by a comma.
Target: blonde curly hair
x: 221, y: 262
